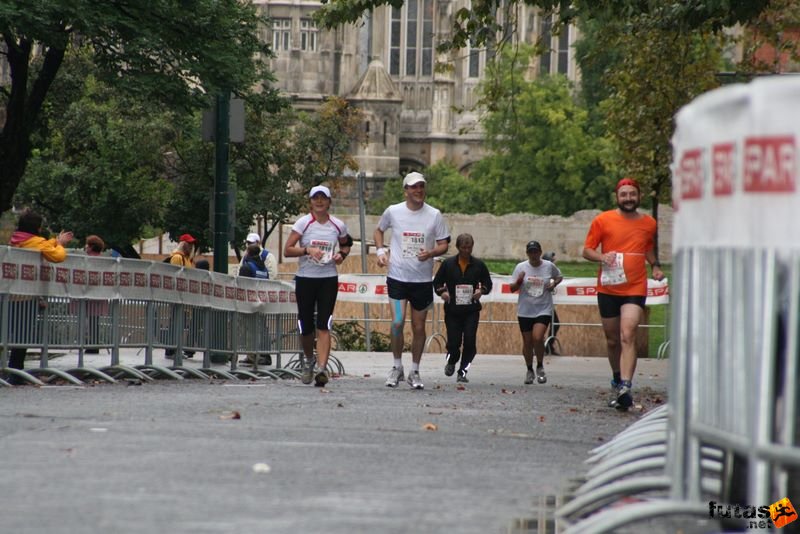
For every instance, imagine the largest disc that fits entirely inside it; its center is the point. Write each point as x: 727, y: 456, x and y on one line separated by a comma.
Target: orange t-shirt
x: 633, y: 238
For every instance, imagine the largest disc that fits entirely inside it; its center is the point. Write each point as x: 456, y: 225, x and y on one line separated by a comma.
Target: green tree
x: 283, y: 155
x: 543, y: 157
x: 175, y: 51
x: 660, y: 70
x: 101, y: 169
x: 447, y: 189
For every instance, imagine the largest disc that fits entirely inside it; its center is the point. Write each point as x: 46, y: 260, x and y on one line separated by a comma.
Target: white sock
x: 398, y: 363
x: 414, y: 366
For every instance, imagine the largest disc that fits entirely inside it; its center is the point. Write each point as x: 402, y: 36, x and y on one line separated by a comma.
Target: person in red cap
x: 183, y: 254
x: 622, y: 241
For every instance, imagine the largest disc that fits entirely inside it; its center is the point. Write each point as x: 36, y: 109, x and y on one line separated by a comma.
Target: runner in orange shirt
x: 626, y: 239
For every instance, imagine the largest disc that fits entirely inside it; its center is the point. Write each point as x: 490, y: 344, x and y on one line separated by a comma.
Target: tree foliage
x: 492, y: 21
x: 283, y: 155
x: 543, y: 157
x: 175, y: 51
x: 447, y: 189
x: 100, y: 170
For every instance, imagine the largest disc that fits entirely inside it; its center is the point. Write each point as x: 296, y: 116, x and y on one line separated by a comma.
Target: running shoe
x: 308, y: 372
x: 395, y: 376
x: 530, y: 376
x: 449, y: 366
x: 624, y: 399
x: 414, y: 380
x: 462, y: 376
x: 320, y: 377
x: 541, y: 377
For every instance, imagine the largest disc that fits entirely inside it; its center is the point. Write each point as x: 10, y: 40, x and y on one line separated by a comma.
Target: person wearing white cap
x: 419, y: 233
x: 321, y: 242
x: 268, y: 258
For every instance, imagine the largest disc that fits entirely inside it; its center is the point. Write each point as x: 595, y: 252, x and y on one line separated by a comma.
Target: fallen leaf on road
x: 367, y: 375
x: 508, y: 391
x: 340, y: 405
x: 541, y: 419
x: 231, y: 415
x: 323, y: 390
x: 460, y: 387
x: 435, y: 413
x: 430, y: 426
x: 573, y: 409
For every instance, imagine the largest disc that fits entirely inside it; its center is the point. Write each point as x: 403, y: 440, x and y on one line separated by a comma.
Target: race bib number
x: 614, y: 275
x: 413, y: 243
x: 463, y: 294
x: 535, y: 286
x: 327, y: 251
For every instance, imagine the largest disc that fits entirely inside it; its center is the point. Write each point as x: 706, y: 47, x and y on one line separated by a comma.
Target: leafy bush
x: 351, y: 336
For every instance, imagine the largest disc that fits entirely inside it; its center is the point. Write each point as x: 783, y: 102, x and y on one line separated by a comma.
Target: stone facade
x: 415, y: 113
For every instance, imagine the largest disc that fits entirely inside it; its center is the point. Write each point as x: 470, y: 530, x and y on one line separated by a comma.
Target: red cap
x: 627, y: 181
x: 187, y: 237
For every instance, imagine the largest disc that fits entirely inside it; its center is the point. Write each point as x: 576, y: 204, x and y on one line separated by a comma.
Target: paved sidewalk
x: 219, y: 456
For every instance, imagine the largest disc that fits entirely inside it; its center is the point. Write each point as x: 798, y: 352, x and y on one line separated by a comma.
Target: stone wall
x: 505, y: 236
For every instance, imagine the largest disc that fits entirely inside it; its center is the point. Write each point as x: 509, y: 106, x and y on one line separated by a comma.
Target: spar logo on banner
x: 690, y: 172
x: 658, y: 291
x: 505, y: 288
x: 381, y: 289
x: 582, y: 291
x: 347, y: 287
x: 770, y: 164
x: 723, y: 168
x: 29, y: 272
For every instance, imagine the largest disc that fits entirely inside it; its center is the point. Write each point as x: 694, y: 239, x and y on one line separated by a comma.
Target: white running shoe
x: 395, y: 376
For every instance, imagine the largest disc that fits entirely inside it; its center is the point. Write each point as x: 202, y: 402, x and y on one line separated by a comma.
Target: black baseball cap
x: 533, y: 245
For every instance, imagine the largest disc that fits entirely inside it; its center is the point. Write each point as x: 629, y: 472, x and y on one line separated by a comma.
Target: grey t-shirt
x: 534, y: 300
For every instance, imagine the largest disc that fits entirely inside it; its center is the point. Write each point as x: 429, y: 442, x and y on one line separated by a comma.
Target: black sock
x: 617, y: 377
x: 530, y: 367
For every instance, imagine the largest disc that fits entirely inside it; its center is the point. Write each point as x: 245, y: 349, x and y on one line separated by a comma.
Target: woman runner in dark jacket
x: 461, y: 281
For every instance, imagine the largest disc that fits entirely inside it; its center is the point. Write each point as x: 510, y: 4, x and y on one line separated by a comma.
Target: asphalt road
x: 219, y: 456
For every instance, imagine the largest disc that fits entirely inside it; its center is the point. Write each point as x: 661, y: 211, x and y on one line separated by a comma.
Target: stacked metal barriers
x: 729, y: 433
x: 89, y: 304
x: 726, y: 451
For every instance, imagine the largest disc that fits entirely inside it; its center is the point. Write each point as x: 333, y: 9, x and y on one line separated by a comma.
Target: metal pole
x: 362, y: 224
x: 221, y: 140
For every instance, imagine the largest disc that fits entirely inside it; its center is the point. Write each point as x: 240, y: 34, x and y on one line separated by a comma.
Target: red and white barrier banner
x: 25, y: 272
x: 371, y: 288
x: 735, y: 167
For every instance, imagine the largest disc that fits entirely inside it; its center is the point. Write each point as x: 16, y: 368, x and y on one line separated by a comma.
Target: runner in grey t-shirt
x: 535, y: 280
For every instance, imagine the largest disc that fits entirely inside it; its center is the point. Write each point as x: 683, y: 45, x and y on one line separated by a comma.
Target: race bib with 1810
x: 327, y: 251
x: 413, y: 243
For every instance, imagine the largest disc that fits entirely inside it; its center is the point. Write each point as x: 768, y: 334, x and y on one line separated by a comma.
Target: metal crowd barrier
x: 108, y: 304
x: 726, y: 446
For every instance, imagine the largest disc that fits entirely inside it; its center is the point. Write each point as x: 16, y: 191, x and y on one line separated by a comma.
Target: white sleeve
x: 272, y: 266
x: 385, y: 220
x: 442, y: 232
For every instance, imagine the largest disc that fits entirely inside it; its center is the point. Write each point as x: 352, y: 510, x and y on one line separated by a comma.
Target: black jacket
x: 449, y: 275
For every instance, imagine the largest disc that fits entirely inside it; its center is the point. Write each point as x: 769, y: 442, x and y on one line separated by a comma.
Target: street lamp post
x: 360, y: 183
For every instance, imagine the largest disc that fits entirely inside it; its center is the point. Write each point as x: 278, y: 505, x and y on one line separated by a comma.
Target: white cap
x: 253, y: 238
x: 319, y: 189
x: 413, y: 178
